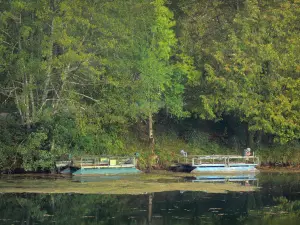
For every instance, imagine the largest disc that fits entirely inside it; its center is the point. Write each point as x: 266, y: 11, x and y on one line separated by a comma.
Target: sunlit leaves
x: 248, y: 61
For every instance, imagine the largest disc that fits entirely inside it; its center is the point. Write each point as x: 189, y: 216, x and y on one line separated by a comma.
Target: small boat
x: 216, y: 163
x: 224, y: 163
x: 105, y: 165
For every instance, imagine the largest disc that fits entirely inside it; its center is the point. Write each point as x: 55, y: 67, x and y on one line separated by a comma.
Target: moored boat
x: 224, y: 163
x: 104, y: 165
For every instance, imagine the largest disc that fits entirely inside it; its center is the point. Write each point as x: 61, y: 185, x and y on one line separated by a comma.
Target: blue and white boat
x: 224, y: 164
x: 102, y: 165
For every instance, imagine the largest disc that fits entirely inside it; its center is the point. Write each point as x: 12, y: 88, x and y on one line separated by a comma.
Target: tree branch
x: 86, y: 96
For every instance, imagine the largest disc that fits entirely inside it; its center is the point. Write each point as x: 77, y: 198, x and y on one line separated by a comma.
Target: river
x: 274, y: 198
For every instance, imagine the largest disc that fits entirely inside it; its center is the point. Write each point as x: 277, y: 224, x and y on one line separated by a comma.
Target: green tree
x: 160, y: 84
x: 244, y: 66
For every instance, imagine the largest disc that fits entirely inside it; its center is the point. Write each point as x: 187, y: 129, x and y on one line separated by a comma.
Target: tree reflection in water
x: 277, y: 202
x: 159, y: 209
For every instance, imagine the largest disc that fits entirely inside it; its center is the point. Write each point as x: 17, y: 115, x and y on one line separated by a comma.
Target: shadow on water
x: 276, y: 202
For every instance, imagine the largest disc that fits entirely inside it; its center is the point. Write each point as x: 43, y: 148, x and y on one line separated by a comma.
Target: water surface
x: 276, y: 201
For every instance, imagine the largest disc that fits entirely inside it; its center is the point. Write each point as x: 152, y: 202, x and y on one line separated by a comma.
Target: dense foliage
x: 97, y: 77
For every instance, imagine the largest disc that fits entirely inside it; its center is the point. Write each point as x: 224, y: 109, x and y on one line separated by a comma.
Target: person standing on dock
x: 182, y: 152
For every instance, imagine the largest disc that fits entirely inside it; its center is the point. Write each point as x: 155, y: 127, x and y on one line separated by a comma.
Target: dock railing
x: 224, y: 160
x: 198, y: 160
x: 105, y: 162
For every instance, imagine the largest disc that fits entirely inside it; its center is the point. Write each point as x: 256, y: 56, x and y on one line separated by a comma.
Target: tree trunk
x: 31, y: 99
x: 150, y: 206
x: 258, y: 137
x: 150, y: 131
x: 153, y: 158
x: 26, y: 103
x: 49, y: 58
x: 25, y: 84
x: 18, y: 104
x: 237, y: 5
x: 250, y: 137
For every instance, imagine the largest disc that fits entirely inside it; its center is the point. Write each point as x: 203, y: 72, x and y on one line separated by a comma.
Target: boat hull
x: 225, y: 169
x: 68, y: 170
x: 105, y: 171
x: 225, y: 178
x: 182, y: 168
